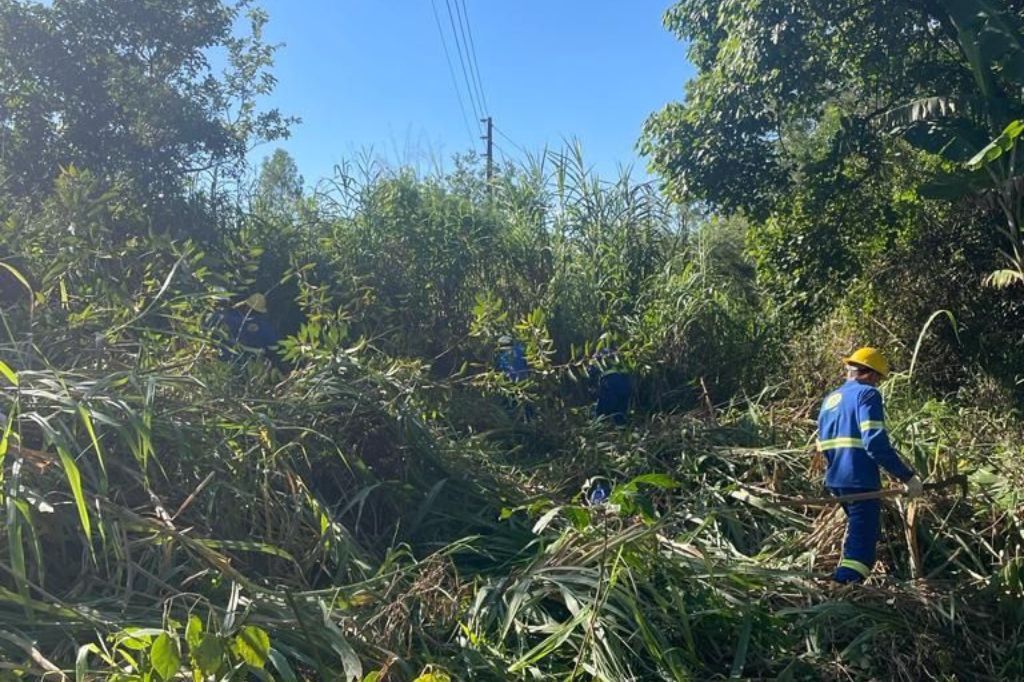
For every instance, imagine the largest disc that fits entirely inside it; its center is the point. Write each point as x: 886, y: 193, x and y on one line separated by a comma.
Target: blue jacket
x: 248, y: 329
x: 614, y: 389
x: 512, y: 362
x: 852, y: 436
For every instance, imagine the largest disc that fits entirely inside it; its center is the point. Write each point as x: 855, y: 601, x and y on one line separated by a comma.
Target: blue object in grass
x: 597, y: 491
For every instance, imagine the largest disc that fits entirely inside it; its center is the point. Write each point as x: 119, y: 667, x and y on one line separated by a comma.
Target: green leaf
x: 1001, y: 279
x: 17, y: 551
x: 252, y: 645
x: 25, y: 510
x: 578, y: 516
x: 194, y: 632
x: 353, y: 668
x: 663, y: 481
x: 646, y: 508
x: 284, y: 670
x: 997, y: 147
x: 8, y: 373
x: 87, y: 420
x: 434, y: 676
x: 209, y: 655
x: 18, y: 276
x: 552, y: 642
x: 739, y: 659
x: 246, y: 546
x: 74, y: 477
x: 136, y: 639
x: 5, y: 442
x: 165, y: 657
x: 953, y: 186
x: 624, y: 497
x: 82, y: 661
x: 544, y: 521
x: 956, y: 140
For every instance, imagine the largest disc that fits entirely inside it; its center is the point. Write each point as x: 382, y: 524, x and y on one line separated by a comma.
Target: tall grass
x: 376, y: 513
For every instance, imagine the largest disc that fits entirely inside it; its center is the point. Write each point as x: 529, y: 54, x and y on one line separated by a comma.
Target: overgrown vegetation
x: 376, y: 506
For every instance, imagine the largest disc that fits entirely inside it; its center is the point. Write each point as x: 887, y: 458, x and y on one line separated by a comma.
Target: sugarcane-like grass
x: 320, y: 526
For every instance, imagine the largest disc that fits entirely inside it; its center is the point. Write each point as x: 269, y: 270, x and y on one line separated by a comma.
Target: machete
x: 960, y: 480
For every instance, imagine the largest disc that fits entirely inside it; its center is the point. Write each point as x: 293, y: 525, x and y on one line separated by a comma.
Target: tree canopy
x: 851, y: 134
x: 848, y: 74
x: 131, y: 91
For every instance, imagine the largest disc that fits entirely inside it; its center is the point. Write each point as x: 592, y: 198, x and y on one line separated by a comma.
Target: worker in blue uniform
x: 614, y: 387
x: 510, y: 360
x: 853, y: 438
x: 247, y: 328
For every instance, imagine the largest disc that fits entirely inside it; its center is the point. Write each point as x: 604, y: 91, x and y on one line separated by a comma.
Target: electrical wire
x: 451, y: 71
x: 506, y: 157
x: 474, y: 64
x: 462, y: 62
x: 511, y: 141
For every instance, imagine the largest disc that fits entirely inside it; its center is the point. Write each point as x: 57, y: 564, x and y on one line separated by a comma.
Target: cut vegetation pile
x: 325, y: 526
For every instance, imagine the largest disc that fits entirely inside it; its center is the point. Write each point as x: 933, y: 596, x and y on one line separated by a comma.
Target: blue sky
x: 371, y: 74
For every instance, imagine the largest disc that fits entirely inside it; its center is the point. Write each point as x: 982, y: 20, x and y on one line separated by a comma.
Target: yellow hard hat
x: 871, y: 358
x: 257, y: 302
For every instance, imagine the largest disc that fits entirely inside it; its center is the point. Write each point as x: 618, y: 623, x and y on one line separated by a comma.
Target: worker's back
x: 248, y: 328
x: 853, y: 438
x: 511, y: 361
x: 614, y: 389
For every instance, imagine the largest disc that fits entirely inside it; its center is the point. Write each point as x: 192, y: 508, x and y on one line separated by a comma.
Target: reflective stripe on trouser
x: 863, y: 523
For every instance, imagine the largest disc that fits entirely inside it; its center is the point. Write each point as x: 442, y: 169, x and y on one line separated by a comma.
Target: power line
x: 511, y: 141
x: 505, y: 156
x: 451, y: 70
x: 474, y: 64
x: 469, y: 58
x: 462, y: 61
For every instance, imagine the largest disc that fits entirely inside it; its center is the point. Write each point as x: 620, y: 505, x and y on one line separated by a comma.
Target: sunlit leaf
x: 165, y: 657
x: 8, y: 373
x: 252, y: 645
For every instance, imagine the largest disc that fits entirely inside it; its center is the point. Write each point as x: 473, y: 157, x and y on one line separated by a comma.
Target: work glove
x: 913, y: 486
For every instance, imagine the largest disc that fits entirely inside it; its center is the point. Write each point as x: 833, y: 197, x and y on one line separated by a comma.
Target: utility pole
x: 489, y: 137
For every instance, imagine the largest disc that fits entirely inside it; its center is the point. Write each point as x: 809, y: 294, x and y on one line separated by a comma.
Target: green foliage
x: 126, y: 90
x: 386, y: 507
x: 278, y: 195
x: 771, y: 73
x: 419, y: 269
x: 608, y: 240
x: 409, y: 257
x: 163, y: 654
x: 841, y: 132
x: 698, y: 326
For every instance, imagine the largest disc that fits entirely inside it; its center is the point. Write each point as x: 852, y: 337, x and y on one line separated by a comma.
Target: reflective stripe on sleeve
x: 834, y: 443
x: 863, y: 569
x: 868, y: 425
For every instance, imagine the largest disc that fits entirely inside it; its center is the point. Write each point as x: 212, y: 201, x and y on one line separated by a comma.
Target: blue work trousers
x: 863, y: 525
